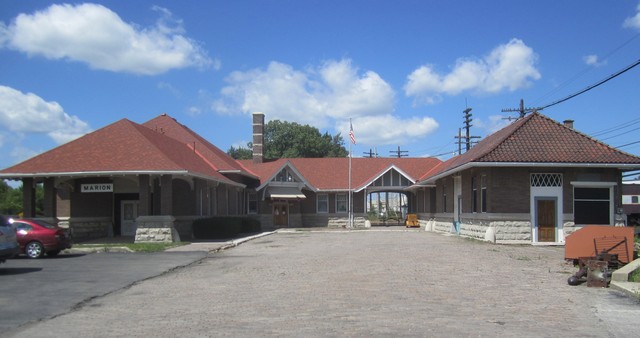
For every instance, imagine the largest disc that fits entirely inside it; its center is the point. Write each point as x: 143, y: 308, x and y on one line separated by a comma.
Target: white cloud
x: 634, y: 21
x: 593, y: 60
x: 315, y: 96
x: 322, y: 96
x: 508, y: 67
x: 95, y: 35
x: 29, y: 113
x: 194, y: 111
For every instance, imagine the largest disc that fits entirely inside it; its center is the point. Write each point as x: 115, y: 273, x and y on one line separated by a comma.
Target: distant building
x: 631, y: 201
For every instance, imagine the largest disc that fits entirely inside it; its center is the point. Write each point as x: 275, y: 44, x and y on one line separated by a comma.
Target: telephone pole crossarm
x: 521, y: 110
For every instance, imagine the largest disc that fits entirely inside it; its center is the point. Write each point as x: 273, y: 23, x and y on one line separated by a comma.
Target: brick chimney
x: 258, y: 137
x: 568, y: 123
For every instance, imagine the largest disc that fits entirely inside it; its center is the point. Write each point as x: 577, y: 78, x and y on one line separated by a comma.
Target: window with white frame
x: 252, y: 204
x: 322, y: 203
x: 341, y: 203
x: 284, y: 176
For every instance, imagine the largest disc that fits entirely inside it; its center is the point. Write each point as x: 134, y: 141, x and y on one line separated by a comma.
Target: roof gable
x: 285, y: 165
x: 333, y: 173
x: 221, y: 161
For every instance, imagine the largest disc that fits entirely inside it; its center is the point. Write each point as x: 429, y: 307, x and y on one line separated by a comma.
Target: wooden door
x: 281, y: 214
x: 546, y: 219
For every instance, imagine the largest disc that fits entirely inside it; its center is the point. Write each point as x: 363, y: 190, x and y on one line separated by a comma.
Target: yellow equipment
x: 412, y: 221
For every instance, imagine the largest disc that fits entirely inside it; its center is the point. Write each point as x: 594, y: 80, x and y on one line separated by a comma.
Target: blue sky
x: 403, y: 71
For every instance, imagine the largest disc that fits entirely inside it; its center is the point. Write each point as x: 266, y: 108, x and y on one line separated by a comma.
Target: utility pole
x: 467, y: 138
x: 521, y: 110
x: 399, y: 153
x: 370, y: 153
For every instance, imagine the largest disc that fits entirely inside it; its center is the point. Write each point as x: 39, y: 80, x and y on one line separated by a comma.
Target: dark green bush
x: 224, y: 227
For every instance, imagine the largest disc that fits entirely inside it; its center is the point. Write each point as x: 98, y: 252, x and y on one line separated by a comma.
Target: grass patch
x: 136, y: 247
x: 635, y: 276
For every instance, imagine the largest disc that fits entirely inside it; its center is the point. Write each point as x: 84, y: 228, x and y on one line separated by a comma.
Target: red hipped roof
x: 123, y: 146
x: 541, y: 140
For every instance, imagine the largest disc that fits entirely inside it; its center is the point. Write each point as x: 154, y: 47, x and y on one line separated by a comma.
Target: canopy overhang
x: 285, y: 193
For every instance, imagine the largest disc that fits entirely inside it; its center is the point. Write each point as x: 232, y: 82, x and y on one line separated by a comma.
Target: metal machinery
x: 598, y: 250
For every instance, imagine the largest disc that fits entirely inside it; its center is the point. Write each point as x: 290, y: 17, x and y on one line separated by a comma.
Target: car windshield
x: 44, y: 224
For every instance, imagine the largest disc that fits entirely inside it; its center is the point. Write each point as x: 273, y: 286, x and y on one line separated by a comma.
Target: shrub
x: 635, y: 276
x: 224, y: 227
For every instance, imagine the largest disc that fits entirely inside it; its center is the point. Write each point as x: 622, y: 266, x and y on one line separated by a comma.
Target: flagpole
x: 350, y: 224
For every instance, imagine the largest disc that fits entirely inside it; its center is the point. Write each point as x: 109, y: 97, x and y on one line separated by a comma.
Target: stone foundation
x: 158, y: 229
x: 493, y: 231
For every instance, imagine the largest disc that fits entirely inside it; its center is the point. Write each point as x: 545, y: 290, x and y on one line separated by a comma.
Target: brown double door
x: 281, y: 214
x: 546, y: 220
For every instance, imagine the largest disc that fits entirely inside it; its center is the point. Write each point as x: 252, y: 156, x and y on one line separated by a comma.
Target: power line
x: 626, y: 132
x: 592, y: 86
x: 628, y: 144
x: 616, y: 128
x: 586, y: 69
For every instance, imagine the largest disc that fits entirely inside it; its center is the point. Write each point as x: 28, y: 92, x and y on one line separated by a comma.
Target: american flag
x: 352, y: 136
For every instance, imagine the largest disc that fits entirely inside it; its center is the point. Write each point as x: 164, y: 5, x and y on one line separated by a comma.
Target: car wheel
x: 53, y: 253
x: 34, y: 250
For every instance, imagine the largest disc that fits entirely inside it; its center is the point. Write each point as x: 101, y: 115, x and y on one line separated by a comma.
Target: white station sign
x: 97, y: 187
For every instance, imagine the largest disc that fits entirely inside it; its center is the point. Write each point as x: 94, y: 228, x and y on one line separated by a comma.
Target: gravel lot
x: 358, y: 283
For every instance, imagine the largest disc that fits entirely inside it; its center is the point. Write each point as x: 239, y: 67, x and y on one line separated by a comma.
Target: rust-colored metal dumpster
x: 592, y: 240
x: 598, y: 250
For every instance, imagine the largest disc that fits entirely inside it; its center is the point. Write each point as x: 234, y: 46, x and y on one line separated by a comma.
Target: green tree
x: 11, y: 199
x: 241, y: 153
x: 292, y: 140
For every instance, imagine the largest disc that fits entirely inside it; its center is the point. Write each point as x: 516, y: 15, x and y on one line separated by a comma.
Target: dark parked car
x: 8, y: 243
x: 38, y: 237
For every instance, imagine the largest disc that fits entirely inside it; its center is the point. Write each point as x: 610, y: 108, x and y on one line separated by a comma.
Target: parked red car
x: 38, y: 237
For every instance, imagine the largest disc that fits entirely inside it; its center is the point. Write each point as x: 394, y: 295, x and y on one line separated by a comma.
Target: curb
x: 629, y: 288
x: 236, y: 242
x: 98, y: 249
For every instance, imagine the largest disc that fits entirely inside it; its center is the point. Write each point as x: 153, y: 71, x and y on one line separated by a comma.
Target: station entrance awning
x: 285, y: 193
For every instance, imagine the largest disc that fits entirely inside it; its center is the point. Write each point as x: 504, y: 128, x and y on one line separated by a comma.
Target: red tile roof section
x: 539, y: 139
x: 333, y: 173
x: 121, y: 146
x: 168, y: 126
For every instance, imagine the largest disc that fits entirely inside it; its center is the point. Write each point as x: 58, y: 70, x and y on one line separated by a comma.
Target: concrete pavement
x: 358, y: 283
